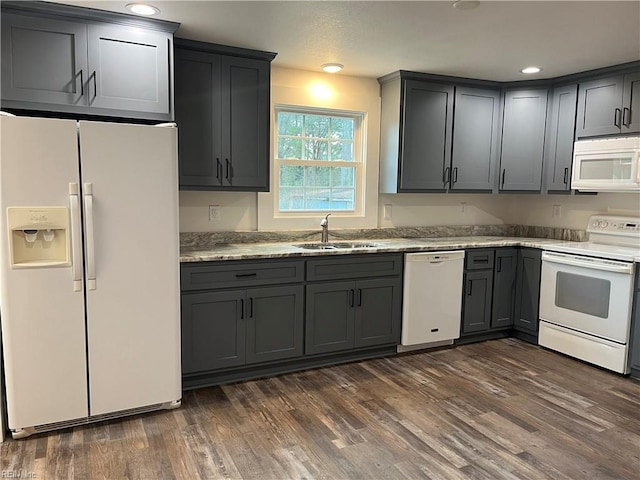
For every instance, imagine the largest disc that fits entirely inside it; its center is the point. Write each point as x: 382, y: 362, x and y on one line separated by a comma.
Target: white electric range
x: 586, y: 293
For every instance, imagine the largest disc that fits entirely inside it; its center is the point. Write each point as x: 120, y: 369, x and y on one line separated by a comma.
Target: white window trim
x: 293, y: 88
x: 359, y: 163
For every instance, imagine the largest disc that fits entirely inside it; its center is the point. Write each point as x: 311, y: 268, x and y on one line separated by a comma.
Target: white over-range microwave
x: 606, y: 165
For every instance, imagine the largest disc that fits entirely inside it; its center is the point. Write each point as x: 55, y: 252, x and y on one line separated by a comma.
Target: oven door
x: 590, y: 295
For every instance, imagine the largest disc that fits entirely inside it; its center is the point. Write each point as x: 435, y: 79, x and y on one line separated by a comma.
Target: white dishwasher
x: 432, y: 299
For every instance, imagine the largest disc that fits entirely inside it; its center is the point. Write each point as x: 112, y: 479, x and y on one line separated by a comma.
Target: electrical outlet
x: 463, y: 207
x: 387, y: 211
x: 214, y: 213
x: 557, y: 210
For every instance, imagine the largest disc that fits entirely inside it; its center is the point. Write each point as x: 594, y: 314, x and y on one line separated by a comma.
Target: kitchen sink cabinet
x: 489, y: 293
x: 59, y: 58
x: 560, y: 138
x: 347, y: 314
x: 528, y: 293
x: 438, y: 136
x: 523, y: 136
x: 222, y: 106
x: 609, y: 106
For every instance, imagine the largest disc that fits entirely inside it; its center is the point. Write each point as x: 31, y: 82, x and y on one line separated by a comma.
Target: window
x: 318, y: 162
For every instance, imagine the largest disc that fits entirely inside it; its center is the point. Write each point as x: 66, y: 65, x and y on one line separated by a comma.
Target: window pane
x: 342, y: 199
x: 318, y: 176
x: 342, y: 128
x: 289, y: 147
x: 291, y: 175
x: 316, y: 149
x: 290, y: 123
x: 343, y: 177
x: 291, y: 198
x: 316, y: 126
x: 342, y: 151
x: 317, y: 199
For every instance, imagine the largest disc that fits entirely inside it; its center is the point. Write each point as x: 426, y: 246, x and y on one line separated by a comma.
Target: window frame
x: 358, y: 163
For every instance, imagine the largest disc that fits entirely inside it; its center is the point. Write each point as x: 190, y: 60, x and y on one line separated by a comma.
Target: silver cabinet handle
x: 616, y: 117
x: 626, y: 116
x: 82, y: 83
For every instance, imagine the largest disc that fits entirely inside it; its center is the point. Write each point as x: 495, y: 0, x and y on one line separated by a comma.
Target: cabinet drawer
x: 479, y: 259
x: 351, y: 266
x: 233, y: 274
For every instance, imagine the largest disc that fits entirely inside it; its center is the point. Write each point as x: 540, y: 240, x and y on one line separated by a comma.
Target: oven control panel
x: 611, y: 225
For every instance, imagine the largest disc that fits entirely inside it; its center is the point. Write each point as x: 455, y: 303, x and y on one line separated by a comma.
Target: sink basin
x: 335, y: 245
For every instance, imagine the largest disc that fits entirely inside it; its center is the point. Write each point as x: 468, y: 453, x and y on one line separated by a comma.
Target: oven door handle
x: 587, y: 262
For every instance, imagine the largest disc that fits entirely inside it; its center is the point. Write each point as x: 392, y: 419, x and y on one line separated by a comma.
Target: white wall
x: 251, y: 211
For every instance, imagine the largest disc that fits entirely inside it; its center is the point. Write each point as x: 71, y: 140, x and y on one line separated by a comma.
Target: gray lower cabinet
x: 609, y: 106
x: 528, y: 291
x: 236, y: 327
x: 61, y: 59
x: 352, y: 302
x: 523, y: 135
x: 222, y: 107
x: 560, y: 138
x: 489, y: 291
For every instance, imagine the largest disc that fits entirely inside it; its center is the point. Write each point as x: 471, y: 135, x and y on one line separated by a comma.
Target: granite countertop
x: 246, y: 251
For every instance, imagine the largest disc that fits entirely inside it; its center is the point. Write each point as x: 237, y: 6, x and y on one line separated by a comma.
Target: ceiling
x: 373, y: 38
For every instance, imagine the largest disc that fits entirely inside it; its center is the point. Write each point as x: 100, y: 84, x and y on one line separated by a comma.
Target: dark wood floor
x: 493, y: 410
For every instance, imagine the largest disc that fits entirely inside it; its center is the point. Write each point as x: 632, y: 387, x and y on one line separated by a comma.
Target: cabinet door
x: 476, y: 315
x: 527, y: 290
x: 504, y: 287
x: 378, y: 312
x: 475, y: 142
x: 329, y: 317
x: 631, y: 104
x: 599, y: 107
x: 197, y: 92
x: 275, y: 322
x: 559, y: 151
x: 523, y: 139
x: 426, y: 136
x: 213, y: 330
x: 245, y: 125
x: 128, y: 69
x: 43, y: 60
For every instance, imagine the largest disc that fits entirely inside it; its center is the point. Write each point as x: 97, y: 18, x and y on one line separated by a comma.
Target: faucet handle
x: 325, y: 222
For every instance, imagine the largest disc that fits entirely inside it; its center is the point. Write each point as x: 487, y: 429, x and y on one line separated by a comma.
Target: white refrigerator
x: 89, y: 277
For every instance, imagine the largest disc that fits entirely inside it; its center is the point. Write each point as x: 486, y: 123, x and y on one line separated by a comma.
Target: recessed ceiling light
x: 143, y: 9
x: 531, y: 70
x: 332, y: 67
x: 466, y: 4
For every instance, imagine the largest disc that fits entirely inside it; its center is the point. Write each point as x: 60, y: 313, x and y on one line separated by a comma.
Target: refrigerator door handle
x: 88, y: 231
x: 76, y: 239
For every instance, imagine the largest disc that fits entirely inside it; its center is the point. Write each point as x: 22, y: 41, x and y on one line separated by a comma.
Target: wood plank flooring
x: 501, y: 409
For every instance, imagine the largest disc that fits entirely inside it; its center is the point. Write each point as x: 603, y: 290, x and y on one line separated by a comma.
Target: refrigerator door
x: 130, y: 194
x: 43, y: 329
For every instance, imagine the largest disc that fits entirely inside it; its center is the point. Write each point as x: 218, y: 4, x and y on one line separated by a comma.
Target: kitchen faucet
x: 325, y: 229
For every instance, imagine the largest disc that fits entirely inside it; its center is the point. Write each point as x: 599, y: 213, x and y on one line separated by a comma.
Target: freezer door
x: 130, y: 193
x: 43, y: 330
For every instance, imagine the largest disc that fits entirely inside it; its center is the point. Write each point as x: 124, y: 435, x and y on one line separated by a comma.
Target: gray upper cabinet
x: 609, y: 106
x: 129, y: 69
x: 426, y: 136
x: 523, y: 135
x: 560, y: 138
x: 43, y: 60
x: 222, y: 107
x: 437, y: 136
x: 475, y: 139
x: 59, y: 58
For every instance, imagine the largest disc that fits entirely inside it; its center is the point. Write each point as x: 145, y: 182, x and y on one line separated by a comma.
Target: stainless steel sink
x: 335, y: 245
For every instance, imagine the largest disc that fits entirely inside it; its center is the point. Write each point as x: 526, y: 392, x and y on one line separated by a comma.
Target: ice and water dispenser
x: 38, y: 237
